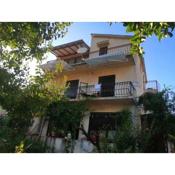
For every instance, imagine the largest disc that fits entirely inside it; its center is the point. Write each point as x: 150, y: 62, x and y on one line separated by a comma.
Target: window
x: 103, y: 50
x: 103, y: 125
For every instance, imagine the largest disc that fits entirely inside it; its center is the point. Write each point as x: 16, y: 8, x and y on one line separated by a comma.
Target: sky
x: 159, y: 56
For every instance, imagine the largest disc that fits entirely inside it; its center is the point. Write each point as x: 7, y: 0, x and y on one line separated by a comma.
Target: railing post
x: 130, y: 88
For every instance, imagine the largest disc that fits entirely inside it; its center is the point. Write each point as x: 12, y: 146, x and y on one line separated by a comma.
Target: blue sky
x: 159, y: 56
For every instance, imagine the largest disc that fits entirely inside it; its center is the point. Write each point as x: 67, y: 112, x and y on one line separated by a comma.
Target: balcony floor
x: 113, y: 98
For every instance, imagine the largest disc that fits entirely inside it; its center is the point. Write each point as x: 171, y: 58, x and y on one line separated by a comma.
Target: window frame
x: 103, y: 50
x: 107, y: 132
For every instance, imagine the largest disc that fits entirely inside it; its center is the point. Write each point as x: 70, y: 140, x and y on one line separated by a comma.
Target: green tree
x: 125, y: 139
x: 24, y: 103
x: 126, y: 134
x: 143, y: 30
x: 66, y: 115
x: 64, y: 120
x: 161, y: 120
x: 23, y: 98
x: 23, y: 41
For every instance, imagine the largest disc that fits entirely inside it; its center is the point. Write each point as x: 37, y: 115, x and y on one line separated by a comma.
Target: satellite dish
x: 82, y: 50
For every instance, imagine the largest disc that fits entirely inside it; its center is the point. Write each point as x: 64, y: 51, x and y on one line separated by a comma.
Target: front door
x: 72, y: 88
x: 107, y: 85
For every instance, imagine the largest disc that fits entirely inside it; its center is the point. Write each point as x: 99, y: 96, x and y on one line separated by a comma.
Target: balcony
x: 117, y: 55
x: 152, y: 86
x: 107, y: 91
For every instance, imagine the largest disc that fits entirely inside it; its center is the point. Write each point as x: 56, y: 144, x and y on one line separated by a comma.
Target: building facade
x: 108, y: 75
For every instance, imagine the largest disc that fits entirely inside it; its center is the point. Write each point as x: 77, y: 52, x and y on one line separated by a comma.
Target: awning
x: 69, y: 49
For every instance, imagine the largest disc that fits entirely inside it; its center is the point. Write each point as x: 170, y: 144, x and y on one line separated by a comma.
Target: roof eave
x: 111, y: 35
x: 69, y: 44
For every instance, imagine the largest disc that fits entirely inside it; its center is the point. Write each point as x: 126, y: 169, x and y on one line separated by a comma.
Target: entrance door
x: 107, y: 85
x: 72, y: 89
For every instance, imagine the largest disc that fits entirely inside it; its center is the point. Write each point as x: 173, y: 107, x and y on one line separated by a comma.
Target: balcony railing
x: 152, y: 86
x: 119, y: 89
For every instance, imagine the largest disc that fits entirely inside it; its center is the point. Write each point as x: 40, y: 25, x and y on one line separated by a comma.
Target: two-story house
x: 107, y: 74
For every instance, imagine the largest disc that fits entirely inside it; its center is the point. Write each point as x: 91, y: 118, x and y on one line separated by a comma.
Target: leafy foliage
x: 22, y: 41
x: 23, y: 100
x: 128, y: 139
x: 66, y: 116
x: 125, y: 140
x: 20, y: 148
x: 31, y: 146
x: 142, y: 30
x: 23, y: 103
x: 8, y: 137
x: 162, y: 120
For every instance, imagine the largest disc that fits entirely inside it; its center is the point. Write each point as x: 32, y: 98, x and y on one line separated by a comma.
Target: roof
x: 69, y: 48
x: 111, y: 35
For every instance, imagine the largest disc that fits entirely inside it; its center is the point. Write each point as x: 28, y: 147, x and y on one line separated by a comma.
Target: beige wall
x: 122, y: 71
x: 134, y: 73
x: 91, y: 75
x: 109, y: 105
x: 112, y: 106
x: 140, y: 75
x: 125, y: 73
x: 113, y: 42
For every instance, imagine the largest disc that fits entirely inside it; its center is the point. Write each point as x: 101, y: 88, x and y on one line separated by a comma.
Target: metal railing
x: 119, y: 89
x: 152, y: 85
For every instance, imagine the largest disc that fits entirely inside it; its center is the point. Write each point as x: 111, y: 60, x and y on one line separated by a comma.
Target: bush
x: 34, y: 146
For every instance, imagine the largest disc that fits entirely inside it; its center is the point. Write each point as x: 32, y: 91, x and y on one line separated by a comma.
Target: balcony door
x: 107, y: 85
x: 72, y: 89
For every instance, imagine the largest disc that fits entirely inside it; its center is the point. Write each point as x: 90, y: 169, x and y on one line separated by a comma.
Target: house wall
x: 123, y: 72
x: 113, y: 42
x: 108, y: 106
x: 137, y: 74
x: 140, y: 75
x: 127, y: 72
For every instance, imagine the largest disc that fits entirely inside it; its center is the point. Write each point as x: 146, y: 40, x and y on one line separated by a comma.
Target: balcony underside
x: 91, y: 63
x: 121, y: 99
